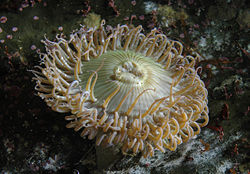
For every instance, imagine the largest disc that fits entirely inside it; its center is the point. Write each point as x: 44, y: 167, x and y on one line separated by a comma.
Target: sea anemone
x: 125, y: 88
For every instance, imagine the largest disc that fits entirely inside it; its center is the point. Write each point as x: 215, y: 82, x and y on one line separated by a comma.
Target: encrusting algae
x: 124, y: 88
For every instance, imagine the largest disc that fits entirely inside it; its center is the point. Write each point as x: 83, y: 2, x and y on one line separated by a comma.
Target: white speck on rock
x: 150, y: 6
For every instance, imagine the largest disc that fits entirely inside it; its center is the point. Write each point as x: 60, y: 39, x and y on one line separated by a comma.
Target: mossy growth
x: 92, y: 20
x: 170, y: 16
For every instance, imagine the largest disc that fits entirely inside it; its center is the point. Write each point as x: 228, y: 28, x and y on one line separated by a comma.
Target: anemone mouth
x: 134, y: 75
x: 124, y: 87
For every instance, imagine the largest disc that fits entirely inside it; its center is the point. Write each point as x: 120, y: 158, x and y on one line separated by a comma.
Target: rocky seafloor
x: 33, y: 138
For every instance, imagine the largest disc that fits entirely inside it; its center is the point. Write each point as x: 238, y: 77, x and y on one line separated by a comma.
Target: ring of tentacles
x: 125, y: 88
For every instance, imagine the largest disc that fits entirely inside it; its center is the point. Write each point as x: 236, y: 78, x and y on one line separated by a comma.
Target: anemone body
x: 124, y: 88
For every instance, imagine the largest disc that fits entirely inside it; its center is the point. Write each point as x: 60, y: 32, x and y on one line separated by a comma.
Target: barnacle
x: 124, y: 88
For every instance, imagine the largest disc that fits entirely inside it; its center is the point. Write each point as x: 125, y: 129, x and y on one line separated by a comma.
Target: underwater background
x: 33, y: 138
